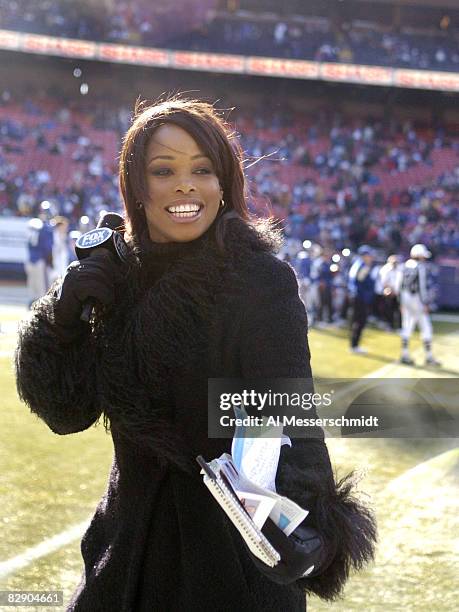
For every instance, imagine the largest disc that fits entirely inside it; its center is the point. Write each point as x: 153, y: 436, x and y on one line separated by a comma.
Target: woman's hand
x: 91, y: 278
x: 301, y: 553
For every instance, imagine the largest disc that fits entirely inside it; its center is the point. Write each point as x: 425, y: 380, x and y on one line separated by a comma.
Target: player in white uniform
x: 39, y: 257
x: 61, y: 246
x: 388, y: 280
x: 414, y: 303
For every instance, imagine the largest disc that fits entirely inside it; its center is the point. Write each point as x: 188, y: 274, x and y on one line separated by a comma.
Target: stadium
x: 346, y: 111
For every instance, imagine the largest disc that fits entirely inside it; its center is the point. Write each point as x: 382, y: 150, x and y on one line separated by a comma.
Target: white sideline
x: 46, y: 547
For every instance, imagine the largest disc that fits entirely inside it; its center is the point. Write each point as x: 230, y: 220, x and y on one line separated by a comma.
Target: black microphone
x: 104, y: 236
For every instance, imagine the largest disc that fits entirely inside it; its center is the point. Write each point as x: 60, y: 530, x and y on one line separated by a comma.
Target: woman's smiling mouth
x: 183, y: 212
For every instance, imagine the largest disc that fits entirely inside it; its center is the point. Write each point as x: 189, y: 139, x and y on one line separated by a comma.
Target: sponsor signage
x: 227, y: 63
x: 355, y: 73
x: 133, y: 55
x: 216, y: 62
x: 295, y: 69
x: 64, y: 47
x: 426, y: 79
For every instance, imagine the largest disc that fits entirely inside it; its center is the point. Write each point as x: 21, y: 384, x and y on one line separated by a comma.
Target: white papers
x: 287, y: 515
x: 257, y: 457
x: 261, y: 502
x: 223, y: 492
x: 251, y: 471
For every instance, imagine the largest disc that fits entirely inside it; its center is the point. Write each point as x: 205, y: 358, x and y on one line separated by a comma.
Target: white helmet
x: 420, y: 250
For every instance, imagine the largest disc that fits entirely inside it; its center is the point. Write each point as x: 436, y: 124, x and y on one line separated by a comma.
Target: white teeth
x: 184, y: 208
x: 186, y: 214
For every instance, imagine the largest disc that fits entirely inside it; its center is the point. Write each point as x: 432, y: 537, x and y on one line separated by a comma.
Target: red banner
x: 424, y: 79
x: 297, y: 69
x: 64, y: 47
x: 216, y: 62
x: 354, y: 73
x: 133, y: 55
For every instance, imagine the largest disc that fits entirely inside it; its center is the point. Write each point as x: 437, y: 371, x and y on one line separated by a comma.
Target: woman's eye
x: 168, y: 171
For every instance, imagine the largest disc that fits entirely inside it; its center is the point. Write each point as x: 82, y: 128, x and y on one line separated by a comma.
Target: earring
x: 139, y: 205
x: 222, y: 203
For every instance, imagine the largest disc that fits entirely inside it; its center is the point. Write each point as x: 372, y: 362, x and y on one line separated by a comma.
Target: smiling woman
x: 183, y: 188
x: 202, y: 296
x: 172, y: 164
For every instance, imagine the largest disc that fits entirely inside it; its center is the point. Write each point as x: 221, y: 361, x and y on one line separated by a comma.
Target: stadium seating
x: 187, y: 24
x: 323, y: 181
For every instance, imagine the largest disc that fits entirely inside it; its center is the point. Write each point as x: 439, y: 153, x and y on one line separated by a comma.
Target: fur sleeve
x: 347, y: 527
x: 56, y: 380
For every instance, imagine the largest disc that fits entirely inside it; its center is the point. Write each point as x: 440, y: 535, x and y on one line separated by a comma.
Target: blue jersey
x: 303, y: 267
x: 39, y: 241
x: 325, y: 274
x: 362, y: 280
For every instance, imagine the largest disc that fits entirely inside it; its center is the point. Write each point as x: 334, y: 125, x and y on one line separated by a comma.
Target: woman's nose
x: 185, y: 186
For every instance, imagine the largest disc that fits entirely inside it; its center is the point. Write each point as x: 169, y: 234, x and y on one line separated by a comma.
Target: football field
x: 50, y: 485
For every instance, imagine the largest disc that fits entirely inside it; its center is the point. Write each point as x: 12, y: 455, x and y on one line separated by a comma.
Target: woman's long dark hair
x: 212, y: 134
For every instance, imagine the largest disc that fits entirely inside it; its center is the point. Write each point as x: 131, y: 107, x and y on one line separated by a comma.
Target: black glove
x: 302, y: 553
x: 94, y: 277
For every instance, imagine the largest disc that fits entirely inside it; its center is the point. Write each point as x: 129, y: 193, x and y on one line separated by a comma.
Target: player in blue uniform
x: 39, y: 257
x: 361, y: 286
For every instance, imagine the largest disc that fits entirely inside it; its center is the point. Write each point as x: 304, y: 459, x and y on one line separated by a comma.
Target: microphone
x: 105, y: 236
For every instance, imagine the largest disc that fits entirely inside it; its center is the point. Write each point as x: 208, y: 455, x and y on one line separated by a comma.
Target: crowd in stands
x: 344, y: 181
x: 338, y: 181
x: 138, y: 22
x: 318, y: 40
x: 188, y: 24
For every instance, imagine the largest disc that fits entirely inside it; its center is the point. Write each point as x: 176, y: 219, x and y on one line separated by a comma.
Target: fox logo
x: 94, y: 238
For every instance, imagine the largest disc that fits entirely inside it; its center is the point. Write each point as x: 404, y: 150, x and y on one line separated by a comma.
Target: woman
x: 203, y: 296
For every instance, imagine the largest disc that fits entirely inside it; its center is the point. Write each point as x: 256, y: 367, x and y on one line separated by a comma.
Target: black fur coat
x: 185, y: 313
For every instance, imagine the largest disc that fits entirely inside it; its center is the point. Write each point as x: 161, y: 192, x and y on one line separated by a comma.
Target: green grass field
x: 50, y: 483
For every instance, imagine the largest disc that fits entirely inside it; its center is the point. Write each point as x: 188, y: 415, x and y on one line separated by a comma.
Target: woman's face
x: 184, y: 191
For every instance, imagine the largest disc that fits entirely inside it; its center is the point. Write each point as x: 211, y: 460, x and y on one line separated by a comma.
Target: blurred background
x: 347, y: 112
